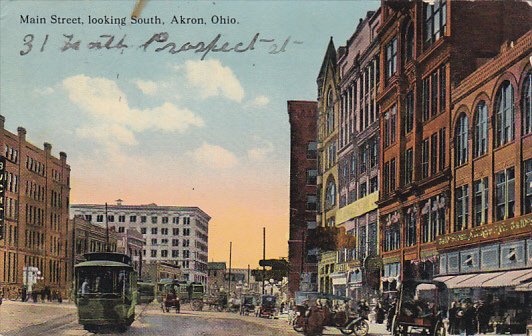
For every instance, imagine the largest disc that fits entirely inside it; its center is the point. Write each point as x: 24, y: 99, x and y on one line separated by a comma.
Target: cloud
x: 44, y: 91
x: 259, y: 101
x: 214, y: 156
x: 213, y: 79
x: 112, y: 120
x: 260, y: 153
x: 147, y: 87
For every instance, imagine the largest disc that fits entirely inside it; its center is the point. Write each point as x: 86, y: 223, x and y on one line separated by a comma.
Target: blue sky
x: 170, y: 128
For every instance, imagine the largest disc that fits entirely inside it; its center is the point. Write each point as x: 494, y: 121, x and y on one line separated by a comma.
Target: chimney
x: 62, y: 156
x: 21, y: 134
x: 119, y: 201
x: 2, y: 121
x: 47, y: 148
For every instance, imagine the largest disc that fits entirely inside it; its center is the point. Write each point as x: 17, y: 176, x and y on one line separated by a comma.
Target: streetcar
x: 105, y: 288
x: 146, y: 292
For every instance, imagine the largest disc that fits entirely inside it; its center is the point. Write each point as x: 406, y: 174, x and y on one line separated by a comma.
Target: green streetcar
x: 146, y: 292
x: 105, y: 291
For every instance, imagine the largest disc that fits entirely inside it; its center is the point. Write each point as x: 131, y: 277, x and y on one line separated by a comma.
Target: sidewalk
x: 15, y: 315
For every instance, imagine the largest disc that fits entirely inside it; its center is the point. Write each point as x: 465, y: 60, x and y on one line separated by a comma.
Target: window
x: 461, y: 208
x: 186, y: 232
x: 186, y: 254
x: 363, y: 158
x: 121, y: 229
x: 154, y: 219
x: 175, y: 231
x: 153, y: 253
x: 480, y: 202
x: 391, y: 58
x: 362, y: 242
x: 527, y: 187
x: 373, y: 185
x: 153, y: 230
x: 88, y: 218
x: 143, y: 230
x: 389, y: 126
x: 434, y: 153
x: 175, y: 253
x: 175, y: 220
x: 111, y: 218
x: 121, y: 219
x: 165, y: 220
x: 505, y: 194
x: 386, y: 178
x: 154, y: 241
x: 433, y: 94
x: 312, y: 150
x: 175, y: 242
x: 330, y: 196
x: 425, y: 99
x: 408, y: 168
x: 164, y: 231
x: 392, y: 233
x: 311, y: 202
x: 526, y: 101
x: 143, y: 219
x: 374, y: 154
x: 164, y: 253
x: 480, y: 135
x: 392, y: 174
x: 330, y: 112
x: 443, y: 88
x: 186, y: 220
x: 441, y: 159
x: 312, y: 176
x: 432, y: 218
x: 425, y: 158
x: 133, y: 219
x: 410, y: 223
x: 363, y: 190
x: 409, y: 42
x: 408, y: 118
x: 461, y: 135
x: 186, y: 242
x: 504, y: 114
x: 435, y: 21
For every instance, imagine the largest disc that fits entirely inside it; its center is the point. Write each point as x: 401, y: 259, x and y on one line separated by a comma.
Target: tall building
x: 426, y: 50
x: 357, y: 269
x: 37, y: 189
x: 173, y: 234
x: 303, y: 195
x: 328, y: 97
x: 486, y: 253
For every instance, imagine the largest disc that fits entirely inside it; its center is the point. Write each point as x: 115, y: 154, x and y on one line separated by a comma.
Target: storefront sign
x: 2, y: 194
x: 501, y: 229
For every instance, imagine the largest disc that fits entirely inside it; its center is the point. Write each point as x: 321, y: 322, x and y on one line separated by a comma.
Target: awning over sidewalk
x: 487, y: 280
x: 525, y: 287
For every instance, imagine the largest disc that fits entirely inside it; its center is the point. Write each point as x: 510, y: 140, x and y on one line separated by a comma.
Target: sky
x: 173, y: 128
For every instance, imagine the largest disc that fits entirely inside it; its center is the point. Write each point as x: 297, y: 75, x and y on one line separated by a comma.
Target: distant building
x: 131, y: 242
x: 175, y: 235
x: 216, y: 275
x: 156, y: 270
x: 37, y: 189
x: 303, y: 194
x: 89, y: 238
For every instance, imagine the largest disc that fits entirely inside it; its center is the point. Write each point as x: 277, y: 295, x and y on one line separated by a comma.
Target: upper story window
x: 480, y: 138
x: 312, y: 175
x: 408, y: 166
x: 408, y: 117
x: 461, y: 207
x: 409, y: 42
x: 312, y: 150
x: 330, y: 196
x: 389, y: 126
x: 504, y: 114
x: 527, y: 186
x: 461, y: 144
x: 505, y: 194
x: 527, y: 104
x: 435, y: 21
x: 330, y: 111
x: 391, y: 58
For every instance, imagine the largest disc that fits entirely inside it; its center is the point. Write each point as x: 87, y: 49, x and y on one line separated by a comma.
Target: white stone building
x: 173, y: 234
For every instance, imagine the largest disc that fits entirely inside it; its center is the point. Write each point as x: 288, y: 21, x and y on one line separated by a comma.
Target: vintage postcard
x: 265, y: 167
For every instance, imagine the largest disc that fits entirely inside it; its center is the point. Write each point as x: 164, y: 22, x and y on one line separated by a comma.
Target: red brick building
x: 487, y: 251
x: 36, y: 212
x: 426, y: 50
x: 303, y: 194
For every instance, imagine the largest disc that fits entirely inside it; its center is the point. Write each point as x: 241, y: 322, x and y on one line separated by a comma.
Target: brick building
x: 487, y: 251
x: 358, y: 160
x: 36, y: 212
x: 303, y: 194
x: 426, y: 50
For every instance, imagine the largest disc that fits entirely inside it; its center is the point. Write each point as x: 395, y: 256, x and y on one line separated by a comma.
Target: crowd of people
x: 45, y: 294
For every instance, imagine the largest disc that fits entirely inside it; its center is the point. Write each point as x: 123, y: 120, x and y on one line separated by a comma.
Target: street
x: 28, y: 319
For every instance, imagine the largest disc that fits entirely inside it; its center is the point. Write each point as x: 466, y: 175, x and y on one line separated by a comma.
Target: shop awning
x: 339, y: 278
x: 525, y: 287
x: 486, y: 280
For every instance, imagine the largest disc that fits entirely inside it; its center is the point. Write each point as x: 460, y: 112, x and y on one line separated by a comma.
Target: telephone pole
x: 107, y: 230
x: 263, y: 257
x: 230, y: 255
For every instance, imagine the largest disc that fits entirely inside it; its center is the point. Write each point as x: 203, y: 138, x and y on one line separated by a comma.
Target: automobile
x: 267, y: 306
x: 421, y: 308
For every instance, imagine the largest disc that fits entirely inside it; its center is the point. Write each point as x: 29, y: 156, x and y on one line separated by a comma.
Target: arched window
x: 480, y: 138
x: 330, y: 112
x: 526, y: 108
x: 330, y: 196
x: 461, y: 134
x: 504, y: 114
x: 409, y: 42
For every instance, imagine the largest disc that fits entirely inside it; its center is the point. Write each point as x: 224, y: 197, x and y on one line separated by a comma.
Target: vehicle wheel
x: 298, y: 328
x: 90, y: 327
x: 346, y: 331
x: 439, y: 330
x: 361, y: 329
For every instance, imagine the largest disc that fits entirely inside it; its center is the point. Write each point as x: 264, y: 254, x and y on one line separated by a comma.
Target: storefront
x: 339, y: 282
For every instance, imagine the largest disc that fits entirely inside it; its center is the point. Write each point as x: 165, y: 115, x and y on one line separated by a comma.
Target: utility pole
x: 263, y: 257
x: 106, y: 229
x: 249, y: 274
x: 230, y: 255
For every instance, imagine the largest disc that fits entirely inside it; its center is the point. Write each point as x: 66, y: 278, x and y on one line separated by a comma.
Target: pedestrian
x: 453, y: 318
x: 43, y: 294
x: 391, y: 314
x: 24, y: 293
x: 467, y: 318
x: 34, y: 296
x: 484, y: 316
x: 59, y: 297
